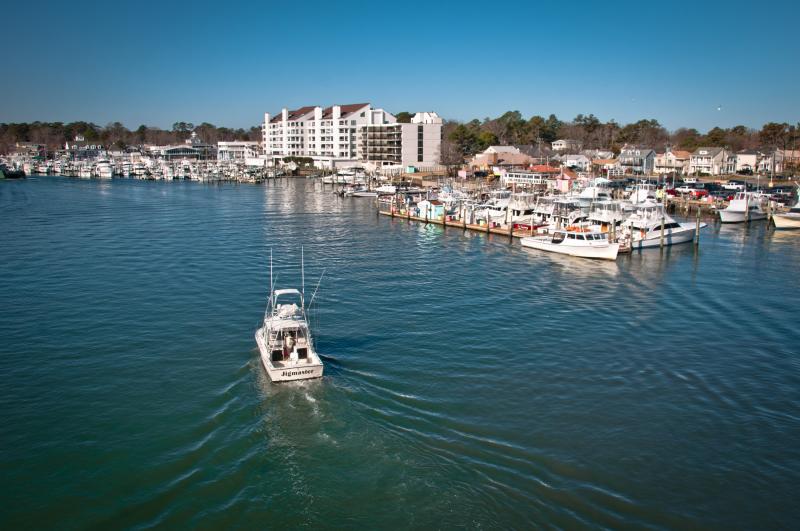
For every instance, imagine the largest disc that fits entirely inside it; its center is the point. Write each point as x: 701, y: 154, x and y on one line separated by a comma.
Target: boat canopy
x: 289, y: 291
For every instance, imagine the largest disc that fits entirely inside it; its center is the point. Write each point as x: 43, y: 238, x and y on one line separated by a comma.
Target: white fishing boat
x: 580, y: 243
x: 103, y: 169
x: 645, y: 227
x: 284, y: 340
x: 790, y: 219
x: 745, y: 206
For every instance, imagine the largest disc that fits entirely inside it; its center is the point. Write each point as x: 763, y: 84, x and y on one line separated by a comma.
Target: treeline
x: 511, y: 128
x: 115, y: 135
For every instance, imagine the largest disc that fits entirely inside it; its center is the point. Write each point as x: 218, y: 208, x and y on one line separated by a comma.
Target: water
x: 468, y: 383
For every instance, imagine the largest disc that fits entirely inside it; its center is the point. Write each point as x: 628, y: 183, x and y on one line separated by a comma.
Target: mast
x: 271, y: 285
x: 302, y: 275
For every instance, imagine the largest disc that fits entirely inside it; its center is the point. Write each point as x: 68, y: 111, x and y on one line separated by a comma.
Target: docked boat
x: 788, y: 220
x: 581, y: 243
x: 745, y: 206
x: 645, y: 227
x: 104, y: 169
x: 284, y: 340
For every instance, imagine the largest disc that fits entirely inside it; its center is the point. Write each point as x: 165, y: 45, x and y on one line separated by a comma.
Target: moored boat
x: 580, y: 243
x: 745, y: 206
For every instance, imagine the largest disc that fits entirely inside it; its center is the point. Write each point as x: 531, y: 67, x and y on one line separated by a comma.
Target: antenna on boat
x: 271, y: 285
x: 302, y: 274
x: 317, y: 288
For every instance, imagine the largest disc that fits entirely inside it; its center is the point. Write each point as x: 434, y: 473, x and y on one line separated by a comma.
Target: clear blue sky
x: 227, y: 62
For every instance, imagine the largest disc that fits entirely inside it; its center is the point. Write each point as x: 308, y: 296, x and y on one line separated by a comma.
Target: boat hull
x: 786, y: 221
x: 604, y: 252
x: 672, y: 237
x: 737, y: 216
x: 301, y: 370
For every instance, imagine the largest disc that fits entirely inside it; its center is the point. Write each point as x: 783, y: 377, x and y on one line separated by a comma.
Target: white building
x: 637, y: 160
x: 673, y: 162
x: 708, y: 160
x: 237, y: 150
x: 566, y: 144
x: 417, y: 143
x: 579, y: 162
x: 329, y: 135
x: 746, y: 161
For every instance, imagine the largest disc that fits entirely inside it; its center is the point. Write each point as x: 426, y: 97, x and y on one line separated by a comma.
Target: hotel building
x: 342, y: 135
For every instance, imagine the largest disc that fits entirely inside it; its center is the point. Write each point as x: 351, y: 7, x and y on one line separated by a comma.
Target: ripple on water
x: 480, y: 383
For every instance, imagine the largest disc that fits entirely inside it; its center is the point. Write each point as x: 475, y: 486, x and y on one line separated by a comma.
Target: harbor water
x: 468, y: 382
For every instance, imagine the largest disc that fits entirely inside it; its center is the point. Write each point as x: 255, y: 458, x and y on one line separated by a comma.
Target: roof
x: 292, y: 115
x: 602, y: 162
x: 680, y: 154
x: 288, y: 291
x: 713, y: 151
x: 544, y: 168
x: 348, y: 109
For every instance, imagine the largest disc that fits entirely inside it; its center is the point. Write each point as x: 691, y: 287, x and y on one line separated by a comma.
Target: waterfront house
x: 637, y: 160
x: 674, y: 162
x: 501, y: 157
x: 708, y: 160
x: 578, y: 162
x: 239, y: 150
x: 779, y: 160
x: 609, y: 167
x: 598, y: 154
x: 82, y: 149
x: 566, y: 144
x: 746, y: 161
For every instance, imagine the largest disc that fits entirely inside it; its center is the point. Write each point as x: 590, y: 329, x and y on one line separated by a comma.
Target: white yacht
x: 788, y: 220
x: 103, y: 169
x: 644, y: 227
x: 745, y: 206
x: 284, y: 340
x: 643, y: 192
x: 584, y: 244
x: 495, y: 208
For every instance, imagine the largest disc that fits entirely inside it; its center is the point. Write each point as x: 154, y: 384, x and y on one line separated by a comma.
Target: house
x: 593, y: 154
x: 746, y: 161
x: 501, y: 157
x: 609, y: 167
x: 81, y: 149
x: 672, y: 162
x: 578, y: 162
x: 637, y: 160
x: 708, y: 160
x: 566, y: 144
x: 237, y: 151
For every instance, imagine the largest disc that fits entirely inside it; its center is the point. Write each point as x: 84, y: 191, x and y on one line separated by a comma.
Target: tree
x: 404, y: 117
x: 774, y: 135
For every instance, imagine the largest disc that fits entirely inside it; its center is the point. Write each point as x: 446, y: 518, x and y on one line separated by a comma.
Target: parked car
x: 697, y: 193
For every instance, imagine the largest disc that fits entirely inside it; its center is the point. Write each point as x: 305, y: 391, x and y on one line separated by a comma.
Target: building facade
x: 672, y: 162
x: 342, y: 135
x: 402, y: 144
x: 237, y: 150
x: 708, y: 160
x: 637, y: 160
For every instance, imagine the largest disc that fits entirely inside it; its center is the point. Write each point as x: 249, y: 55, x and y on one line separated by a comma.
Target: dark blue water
x: 469, y: 382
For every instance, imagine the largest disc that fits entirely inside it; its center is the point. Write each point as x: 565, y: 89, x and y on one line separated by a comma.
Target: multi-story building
x: 673, y: 162
x: 406, y: 144
x: 347, y: 134
x: 708, y: 160
x: 637, y: 160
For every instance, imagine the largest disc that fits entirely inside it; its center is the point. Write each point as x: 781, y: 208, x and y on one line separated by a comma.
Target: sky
x: 687, y: 64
